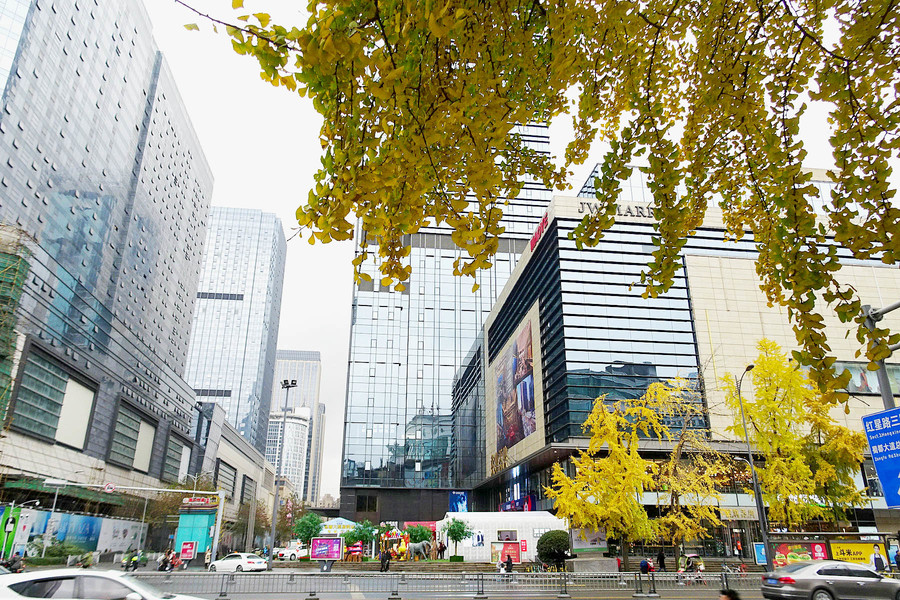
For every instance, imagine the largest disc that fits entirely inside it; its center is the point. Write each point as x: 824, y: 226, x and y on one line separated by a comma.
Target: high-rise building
x: 306, y: 369
x: 405, y: 348
x: 572, y: 327
x: 234, y: 335
x: 292, y: 430
x: 104, y: 196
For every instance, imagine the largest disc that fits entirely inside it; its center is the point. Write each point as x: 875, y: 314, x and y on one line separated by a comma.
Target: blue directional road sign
x: 883, y: 431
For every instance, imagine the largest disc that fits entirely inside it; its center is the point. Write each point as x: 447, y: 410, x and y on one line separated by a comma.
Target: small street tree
x: 457, y: 530
x: 288, y: 515
x: 363, y: 532
x: 553, y: 547
x: 810, y: 459
x: 308, y: 527
x: 241, y: 525
x: 610, y: 476
x: 418, y: 533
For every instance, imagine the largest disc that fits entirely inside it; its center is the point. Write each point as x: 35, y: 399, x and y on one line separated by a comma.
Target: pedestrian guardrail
x: 223, y: 586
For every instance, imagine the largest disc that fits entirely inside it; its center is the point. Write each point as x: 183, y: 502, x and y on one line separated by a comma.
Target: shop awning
x: 65, y: 491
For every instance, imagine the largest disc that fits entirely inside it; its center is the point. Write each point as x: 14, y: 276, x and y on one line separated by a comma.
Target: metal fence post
x: 563, y: 590
x: 223, y: 589
x: 395, y: 588
x: 479, y: 595
x: 638, y: 584
x: 652, y: 590
x: 725, y: 585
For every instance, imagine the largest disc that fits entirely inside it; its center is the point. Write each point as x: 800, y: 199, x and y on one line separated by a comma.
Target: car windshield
x: 792, y: 568
x: 145, y: 589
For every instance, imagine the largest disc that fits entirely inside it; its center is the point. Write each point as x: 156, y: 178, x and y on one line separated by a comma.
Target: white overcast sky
x: 262, y: 145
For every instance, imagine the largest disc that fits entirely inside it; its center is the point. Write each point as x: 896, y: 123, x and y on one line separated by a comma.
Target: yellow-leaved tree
x: 606, y: 488
x: 809, y: 458
x: 421, y: 99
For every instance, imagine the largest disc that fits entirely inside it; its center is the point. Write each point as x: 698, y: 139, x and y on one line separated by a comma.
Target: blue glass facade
x: 234, y: 334
x: 103, y: 182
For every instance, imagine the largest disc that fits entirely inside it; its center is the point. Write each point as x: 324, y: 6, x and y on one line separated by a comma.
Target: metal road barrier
x: 223, y: 586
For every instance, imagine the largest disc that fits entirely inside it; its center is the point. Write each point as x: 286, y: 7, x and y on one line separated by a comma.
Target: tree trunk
x: 626, y: 550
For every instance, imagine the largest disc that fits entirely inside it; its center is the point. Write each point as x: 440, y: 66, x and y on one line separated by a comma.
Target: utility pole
x: 873, y: 315
x: 286, y: 385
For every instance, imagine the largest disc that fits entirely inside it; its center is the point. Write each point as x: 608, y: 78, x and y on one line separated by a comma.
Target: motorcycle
x: 7, y: 564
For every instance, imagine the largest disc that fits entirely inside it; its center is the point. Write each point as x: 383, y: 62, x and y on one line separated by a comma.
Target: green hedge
x: 47, y: 560
x: 456, y: 559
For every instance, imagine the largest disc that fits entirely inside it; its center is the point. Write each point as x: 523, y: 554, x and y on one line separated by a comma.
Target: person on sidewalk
x: 661, y: 561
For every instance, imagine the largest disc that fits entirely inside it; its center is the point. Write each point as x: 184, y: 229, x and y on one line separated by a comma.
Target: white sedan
x: 71, y: 583
x: 239, y: 561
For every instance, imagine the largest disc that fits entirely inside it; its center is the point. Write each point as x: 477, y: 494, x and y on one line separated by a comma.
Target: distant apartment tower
x: 293, y: 432
x: 231, y: 360
x: 104, y: 197
x: 306, y: 368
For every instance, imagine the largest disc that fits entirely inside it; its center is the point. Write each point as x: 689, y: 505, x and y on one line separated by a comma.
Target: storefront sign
x: 523, y: 503
x: 524, y: 545
x: 743, y: 513
x: 622, y: 210
x: 499, y: 461
x: 542, y: 226
x: 188, y: 550
x: 200, y: 502
x: 871, y: 554
x: 432, y: 525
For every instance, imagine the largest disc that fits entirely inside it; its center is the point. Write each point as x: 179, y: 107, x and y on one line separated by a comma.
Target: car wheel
x: 822, y: 595
x: 239, y: 568
x: 212, y: 567
x: 897, y: 596
x: 293, y: 557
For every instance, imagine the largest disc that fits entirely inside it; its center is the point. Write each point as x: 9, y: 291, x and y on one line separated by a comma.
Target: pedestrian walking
x: 509, y: 563
x: 385, y: 560
x: 442, y: 547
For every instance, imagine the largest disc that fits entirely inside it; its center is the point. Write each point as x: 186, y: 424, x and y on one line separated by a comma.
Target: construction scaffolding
x: 13, y: 272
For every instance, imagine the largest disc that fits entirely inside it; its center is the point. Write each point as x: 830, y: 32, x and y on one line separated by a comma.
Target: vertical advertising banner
x: 459, y: 502
x: 514, y: 374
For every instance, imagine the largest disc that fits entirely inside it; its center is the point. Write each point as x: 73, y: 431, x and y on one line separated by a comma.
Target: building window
x: 366, y: 503
x: 132, y: 444
x: 176, y: 463
x: 48, y: 396
x: 248, y: 490
x: 226, y: 477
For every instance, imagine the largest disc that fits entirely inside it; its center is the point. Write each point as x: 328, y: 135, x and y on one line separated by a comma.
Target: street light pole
x: 872, y: 316
x: 757, y: 492
x: 286, y: 385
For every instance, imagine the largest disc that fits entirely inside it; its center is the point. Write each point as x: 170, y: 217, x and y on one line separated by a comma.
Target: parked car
x: 68, y: 584
x: 828, y: 580
x: 239, y: 561
x: 293, y: 551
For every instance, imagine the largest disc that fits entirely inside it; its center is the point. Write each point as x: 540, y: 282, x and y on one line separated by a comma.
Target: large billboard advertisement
x: 514, y: 391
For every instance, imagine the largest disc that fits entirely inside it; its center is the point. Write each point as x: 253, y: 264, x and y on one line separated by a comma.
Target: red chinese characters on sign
x: 539, y: 231
x: 432, y: 525
x: 188, y: 550
x: 524, y: 545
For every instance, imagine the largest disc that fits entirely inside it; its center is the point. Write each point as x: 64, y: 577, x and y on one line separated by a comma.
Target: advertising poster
x: 514, y: 374
x: 759, y: 553
x: 188, y: 550
x: 500, y: 550
x: 864, y: 381
x: 459, y: 501
x: 788, y: 553
x: 870, y: 554
x: 588, y: 540
x: 10, y: 519
x: 326, y: 548
x: 477, y: 539
x: 119, y: 536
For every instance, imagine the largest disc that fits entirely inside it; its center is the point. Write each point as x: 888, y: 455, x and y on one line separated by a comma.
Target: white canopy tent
x: 499, y: 527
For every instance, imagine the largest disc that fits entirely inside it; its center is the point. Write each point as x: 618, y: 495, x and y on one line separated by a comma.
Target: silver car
x: 828, y: 580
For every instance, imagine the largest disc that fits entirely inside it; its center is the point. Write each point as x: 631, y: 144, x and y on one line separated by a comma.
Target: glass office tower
x: 104, y: 194
x: 404, y: 351
x: 234, y: 336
